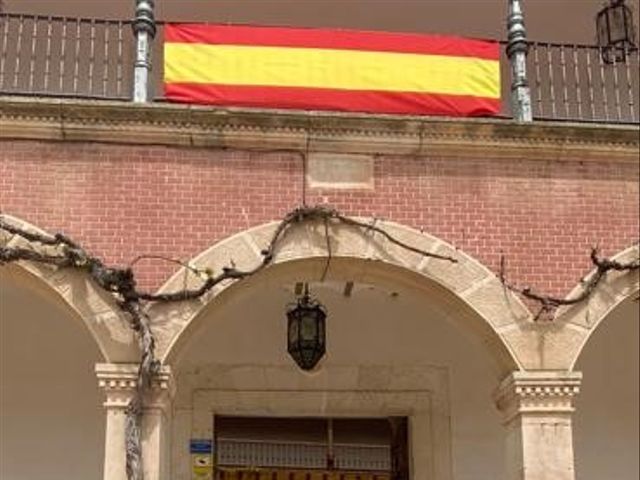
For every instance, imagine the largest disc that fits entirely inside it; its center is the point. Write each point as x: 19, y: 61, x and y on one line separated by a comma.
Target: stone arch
x: 585, y: 318
x: 88, y: 304
x: 484, y: 308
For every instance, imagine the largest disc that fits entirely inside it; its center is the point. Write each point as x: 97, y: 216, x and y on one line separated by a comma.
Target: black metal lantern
x: 614, y: 25
x: 306, y: 332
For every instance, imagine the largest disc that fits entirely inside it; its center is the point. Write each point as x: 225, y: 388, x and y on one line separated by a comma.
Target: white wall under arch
x: 85, y: 301
x: 606, y: 423
x: 51, y: 414
x: 377, y: 343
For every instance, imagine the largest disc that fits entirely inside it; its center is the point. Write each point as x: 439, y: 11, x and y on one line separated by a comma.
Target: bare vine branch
x: 549, y: 303
x: 299, y: 215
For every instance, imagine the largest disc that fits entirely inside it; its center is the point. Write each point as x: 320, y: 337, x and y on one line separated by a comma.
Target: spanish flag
x: 317, y: 69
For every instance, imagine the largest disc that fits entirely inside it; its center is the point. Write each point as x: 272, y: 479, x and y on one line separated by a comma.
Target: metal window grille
x: 304, y: 455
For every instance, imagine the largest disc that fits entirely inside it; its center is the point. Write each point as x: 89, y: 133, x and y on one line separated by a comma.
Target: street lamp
x: 306, y: 331
x: 614, y: 27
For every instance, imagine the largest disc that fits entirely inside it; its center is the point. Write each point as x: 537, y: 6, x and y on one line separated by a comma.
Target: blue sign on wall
x: 200, y: 446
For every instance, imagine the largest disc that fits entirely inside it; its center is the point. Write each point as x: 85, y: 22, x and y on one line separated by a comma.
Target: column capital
x: 537, y: 392
x: 119, y: 380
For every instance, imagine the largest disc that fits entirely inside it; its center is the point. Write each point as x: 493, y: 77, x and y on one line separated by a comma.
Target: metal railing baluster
x: 627, y: 68
x: 592, y: 105
x: 537, y: 80
x: 552, y: 96
x: 576, y: 74
x: 76, y: 58
x: 47, y: 62
x: 5, y: 23
x: 119, y: 61
x: 605, y: 102
x: 616, y: 86
x: 92, y: 53
x: 63, y: 55
x: 565, y: 90
x: 105, y: 59
x: 32, y: 55
x: 16, y: 71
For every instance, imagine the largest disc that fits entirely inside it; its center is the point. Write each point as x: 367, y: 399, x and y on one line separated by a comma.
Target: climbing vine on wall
x: 549, y: 304
x: 62, y: 252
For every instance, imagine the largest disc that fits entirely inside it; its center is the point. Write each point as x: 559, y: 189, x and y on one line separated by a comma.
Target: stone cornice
x: 537, y: 392
x: 190, y: 125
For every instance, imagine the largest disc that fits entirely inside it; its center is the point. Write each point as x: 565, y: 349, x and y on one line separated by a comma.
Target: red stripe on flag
x: 332, y: 39
x: 330, y: 99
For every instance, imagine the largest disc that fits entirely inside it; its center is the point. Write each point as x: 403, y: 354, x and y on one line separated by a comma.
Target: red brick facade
x: 120, y: 201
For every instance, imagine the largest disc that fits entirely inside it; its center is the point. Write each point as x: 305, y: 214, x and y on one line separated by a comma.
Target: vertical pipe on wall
x: 144, y: 29
x: 517, y: 48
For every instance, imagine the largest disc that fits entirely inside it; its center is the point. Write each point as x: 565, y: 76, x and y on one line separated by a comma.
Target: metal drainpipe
x: 144, y: 29
x: 517, y: 48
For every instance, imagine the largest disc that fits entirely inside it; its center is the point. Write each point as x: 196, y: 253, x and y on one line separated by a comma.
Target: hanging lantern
x: 614, y: 26
x: 306, y: 332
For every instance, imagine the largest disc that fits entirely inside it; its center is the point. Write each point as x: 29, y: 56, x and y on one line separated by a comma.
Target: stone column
x: 119, y: 382
x: 537, y: 408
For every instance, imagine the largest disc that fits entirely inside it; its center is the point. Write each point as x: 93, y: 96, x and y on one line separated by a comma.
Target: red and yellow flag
x: 344, y: 70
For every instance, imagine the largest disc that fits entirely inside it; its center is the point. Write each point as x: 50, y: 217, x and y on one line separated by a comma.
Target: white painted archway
x: 584, y: 319
x: 51, y: 418
x: 606, y: 420
x: 95, y: 309
x: 482, y: 307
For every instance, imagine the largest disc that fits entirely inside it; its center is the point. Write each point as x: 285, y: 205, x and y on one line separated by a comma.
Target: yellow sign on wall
x: 201, y: 459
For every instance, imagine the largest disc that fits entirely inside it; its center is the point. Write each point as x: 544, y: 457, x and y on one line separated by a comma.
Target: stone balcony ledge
x: 38, y: 118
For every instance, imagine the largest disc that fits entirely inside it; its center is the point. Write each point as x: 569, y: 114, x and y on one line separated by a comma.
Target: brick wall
x: 120, y: 201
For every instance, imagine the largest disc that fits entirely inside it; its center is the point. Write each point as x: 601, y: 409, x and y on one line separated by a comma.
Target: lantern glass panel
x: 308, y: 327
x: 293, y: 331
x: 617, y: 21
x: 309, y: 358
x: 603, y: 33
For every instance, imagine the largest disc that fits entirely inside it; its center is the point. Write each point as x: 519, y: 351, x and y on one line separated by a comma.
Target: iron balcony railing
x: 583, y: 83
x: 62, y: 56
x: 93, y: 58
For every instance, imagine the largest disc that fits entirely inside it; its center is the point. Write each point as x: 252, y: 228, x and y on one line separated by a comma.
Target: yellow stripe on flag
x: 330, y: 68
